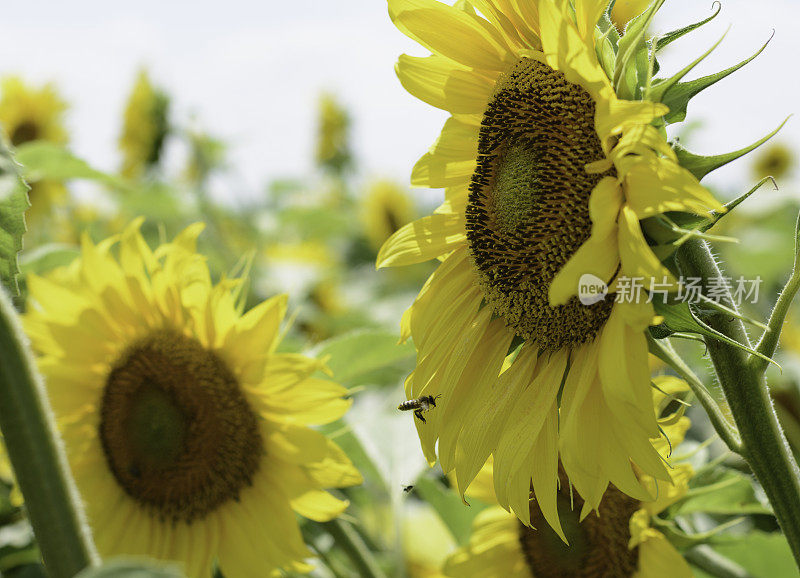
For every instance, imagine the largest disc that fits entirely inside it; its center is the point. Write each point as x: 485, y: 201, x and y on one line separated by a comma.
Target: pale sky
x: 251, y: 72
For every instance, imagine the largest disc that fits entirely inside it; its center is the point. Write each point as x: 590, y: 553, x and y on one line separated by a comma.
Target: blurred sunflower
x: 547, y: 174
x: 776, y: 161
x: 333, y: 135
x: 145, y: 128
x: 29, y: 114
x: 618, y: 540
x: 186, y: 432
x: 386, y: 208
x: 426, y: 542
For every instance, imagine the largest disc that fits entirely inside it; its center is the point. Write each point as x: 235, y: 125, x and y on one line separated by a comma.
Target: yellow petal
x: 615, y: 115
x: 638, y: 260
x: 604, y: 205
x: 659, y: 185
x: 656, y: 554
x: 626, y: 382
x: 451, y: 32
x: 422, y: 240
x: 598, y: 256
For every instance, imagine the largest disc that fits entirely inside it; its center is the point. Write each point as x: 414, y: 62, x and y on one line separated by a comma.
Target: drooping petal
x: 422, y: 240
x: 456, y: 34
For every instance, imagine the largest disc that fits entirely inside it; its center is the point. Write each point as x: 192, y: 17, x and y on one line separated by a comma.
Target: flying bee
x: 407, y: 489
x: 419, y: 405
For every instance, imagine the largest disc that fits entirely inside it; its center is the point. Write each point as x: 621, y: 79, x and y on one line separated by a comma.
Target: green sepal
x: 701, y: 165
x: 660, y: 89
x: 607, y: 29
x: 669, y: 37
x: 678, y: 96
x: 670, y: 229
x: 632, y: 53
x: 606, y: 43
x: 679, y: 318
x: 13, y: 204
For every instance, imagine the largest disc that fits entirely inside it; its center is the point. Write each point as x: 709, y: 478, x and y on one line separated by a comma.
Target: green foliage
x: 357, y: 356
x: 721, y: 491
x: 764, y: 555
x: 131, y: 569
x: 42, y: 160
x: 456, y: 515
x: 13, y: 204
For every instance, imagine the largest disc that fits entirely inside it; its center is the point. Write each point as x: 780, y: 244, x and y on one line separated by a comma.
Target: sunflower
x: 145, y: 128
x: 186, y: 432
x: 29, y: 114
x: 386, y: 208
x: 619, y: 540
x: 547, y: 175
x: 777, y: 161
x: 333, y: 136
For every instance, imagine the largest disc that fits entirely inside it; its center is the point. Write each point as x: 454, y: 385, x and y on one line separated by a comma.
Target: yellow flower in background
x: 333, y: 135
x: 28, y: 114
x: 426, y: 542
x: 386, y: 208
x: 617, y: 540
x: 145, y: 127
x: 625, y: 10
x: 547, y: 174
x: 777, y: 161
x: 187, y: 434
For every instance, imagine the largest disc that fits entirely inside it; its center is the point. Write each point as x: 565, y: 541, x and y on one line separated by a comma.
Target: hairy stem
x: 54, y: 508
x: 764, y: 446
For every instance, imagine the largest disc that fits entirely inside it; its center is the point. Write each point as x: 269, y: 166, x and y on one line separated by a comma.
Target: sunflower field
x: 566, y: 346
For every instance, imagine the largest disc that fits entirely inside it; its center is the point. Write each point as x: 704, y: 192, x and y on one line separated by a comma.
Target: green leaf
x: 728, y: 492
x: 42, y: 160
x: 13, y: 204
x: 700, y: 165
x: 675, y: 34
x: 456, y: 515
x: 47, y: 257
x: 356, y: 355
x: 679, y: 318
x: 764, y: 555
x: 678, y: 96
x: 131, y: 569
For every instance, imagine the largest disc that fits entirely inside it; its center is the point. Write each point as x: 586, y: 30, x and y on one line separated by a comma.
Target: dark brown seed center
x: 598, y: 546
x: 26, y: 131
x: 177, y: 432
x: 528, y: 210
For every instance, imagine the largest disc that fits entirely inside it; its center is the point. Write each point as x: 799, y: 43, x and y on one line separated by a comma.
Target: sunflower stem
x: 37, y: 457
x: 764, y: 445
x: 714, y: 563
x: 769, y: 340
x: 352, y: 544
